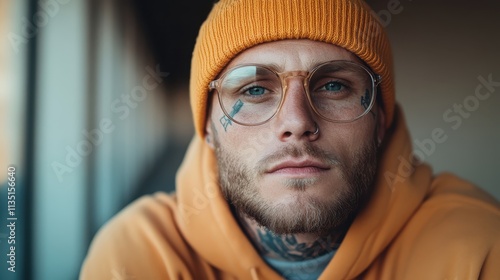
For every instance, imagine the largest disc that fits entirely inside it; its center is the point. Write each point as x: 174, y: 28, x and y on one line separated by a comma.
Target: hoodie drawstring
x: 253, y: 273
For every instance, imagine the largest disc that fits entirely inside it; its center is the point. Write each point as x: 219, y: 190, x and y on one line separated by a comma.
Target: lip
x: 298, y: 166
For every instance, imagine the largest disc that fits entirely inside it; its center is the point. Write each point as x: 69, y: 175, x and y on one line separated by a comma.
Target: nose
x: 296, y: 119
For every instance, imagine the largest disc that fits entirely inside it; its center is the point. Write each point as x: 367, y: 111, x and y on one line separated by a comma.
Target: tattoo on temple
x: 225, y: 121
x: 365, y: 100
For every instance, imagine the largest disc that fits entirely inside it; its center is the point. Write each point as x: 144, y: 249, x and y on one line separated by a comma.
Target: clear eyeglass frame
x: 376, y: 79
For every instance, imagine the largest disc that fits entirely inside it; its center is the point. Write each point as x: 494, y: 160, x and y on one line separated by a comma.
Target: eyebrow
x: 280, y: 67
x: 276, y: 67
x: 311, y: 63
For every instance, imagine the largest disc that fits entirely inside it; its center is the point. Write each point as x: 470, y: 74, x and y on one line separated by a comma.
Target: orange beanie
x: 235, y: 25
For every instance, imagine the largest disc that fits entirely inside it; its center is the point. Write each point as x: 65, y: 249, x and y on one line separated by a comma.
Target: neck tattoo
x: 291, y: 247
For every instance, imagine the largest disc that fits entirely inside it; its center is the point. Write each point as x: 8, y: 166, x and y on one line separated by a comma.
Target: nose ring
x: 317, y: 129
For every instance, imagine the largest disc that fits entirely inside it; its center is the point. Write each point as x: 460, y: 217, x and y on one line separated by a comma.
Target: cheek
x: 362, y: 133
x: 248, y: 144
x: 348, y: 139
x: 246, y: 141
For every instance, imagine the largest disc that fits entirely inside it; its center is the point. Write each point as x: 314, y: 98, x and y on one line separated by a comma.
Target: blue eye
x: 256, y: 91
x: 333, y: 86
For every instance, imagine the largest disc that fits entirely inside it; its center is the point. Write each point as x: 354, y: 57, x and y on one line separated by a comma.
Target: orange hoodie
x: 416, y: 226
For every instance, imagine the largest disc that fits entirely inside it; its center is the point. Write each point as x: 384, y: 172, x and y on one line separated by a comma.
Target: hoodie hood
x: 208, y: 225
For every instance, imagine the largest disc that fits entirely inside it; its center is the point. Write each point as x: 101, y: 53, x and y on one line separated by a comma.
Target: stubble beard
x: 307, y: 214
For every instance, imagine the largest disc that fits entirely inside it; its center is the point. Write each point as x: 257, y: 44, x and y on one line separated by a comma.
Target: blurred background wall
x: 94, y: 108
x: 445, y: 55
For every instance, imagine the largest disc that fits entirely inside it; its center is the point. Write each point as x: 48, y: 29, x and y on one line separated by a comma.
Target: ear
x: 380, y: 125
x: 209, y: 136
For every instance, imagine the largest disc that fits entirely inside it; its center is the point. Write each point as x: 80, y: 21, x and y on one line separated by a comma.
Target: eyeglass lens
x: 338, y: 91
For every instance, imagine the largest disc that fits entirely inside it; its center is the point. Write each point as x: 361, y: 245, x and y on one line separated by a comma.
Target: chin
x: 315, y: 208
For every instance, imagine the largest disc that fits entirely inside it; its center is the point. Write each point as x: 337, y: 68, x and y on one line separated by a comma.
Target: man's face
x: 280, y: 173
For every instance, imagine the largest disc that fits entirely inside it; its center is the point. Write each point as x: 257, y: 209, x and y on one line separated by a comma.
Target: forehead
x: 291, y: 55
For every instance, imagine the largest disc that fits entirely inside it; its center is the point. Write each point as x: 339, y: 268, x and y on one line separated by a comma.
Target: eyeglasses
x: 337, y: 91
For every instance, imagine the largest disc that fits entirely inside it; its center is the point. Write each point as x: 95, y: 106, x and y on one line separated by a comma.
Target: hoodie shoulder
x: 454, y: 233
x: 142, y: 241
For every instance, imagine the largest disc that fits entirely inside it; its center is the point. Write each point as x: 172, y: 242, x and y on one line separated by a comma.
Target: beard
x: 307, y: 214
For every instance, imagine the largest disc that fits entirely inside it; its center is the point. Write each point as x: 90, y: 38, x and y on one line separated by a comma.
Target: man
x: 301, y: 166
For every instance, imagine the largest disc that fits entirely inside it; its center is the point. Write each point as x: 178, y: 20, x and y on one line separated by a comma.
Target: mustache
x: 306, y: 150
